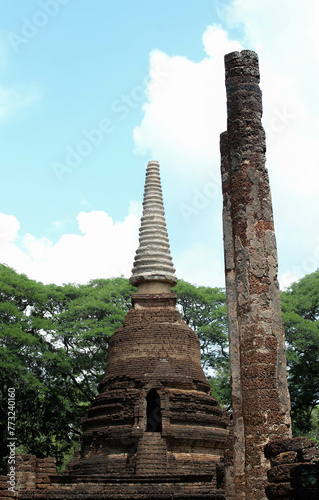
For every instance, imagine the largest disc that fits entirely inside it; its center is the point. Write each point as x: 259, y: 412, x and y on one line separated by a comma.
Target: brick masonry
x: 32, y: 474
x: 257, y: 353
x: 294, y: 472
x: 120, y: 457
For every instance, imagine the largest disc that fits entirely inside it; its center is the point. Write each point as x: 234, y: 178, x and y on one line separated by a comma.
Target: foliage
x: 313, y: 434
x: 204, y: 309
x: 300, y: 305
x: 53, y: 348
x: 54, y: 344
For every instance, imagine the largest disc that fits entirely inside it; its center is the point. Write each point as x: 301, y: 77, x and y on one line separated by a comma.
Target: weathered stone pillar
x: 261, y: 407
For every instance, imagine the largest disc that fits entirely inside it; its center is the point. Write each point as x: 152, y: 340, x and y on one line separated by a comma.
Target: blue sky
x: 91, y: 91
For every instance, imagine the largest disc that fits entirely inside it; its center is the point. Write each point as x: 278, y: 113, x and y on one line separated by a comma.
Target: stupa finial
x: 153, y: 269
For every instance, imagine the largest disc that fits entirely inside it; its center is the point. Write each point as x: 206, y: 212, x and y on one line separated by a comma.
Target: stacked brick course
x: 35, y: 471
x: 32, y: 474
x: 154, y: 349
x: 294, y: 472
x: 4, y: 491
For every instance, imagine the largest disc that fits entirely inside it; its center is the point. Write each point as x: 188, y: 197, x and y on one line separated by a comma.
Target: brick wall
x: 31, y: 473
x: 294, y: 472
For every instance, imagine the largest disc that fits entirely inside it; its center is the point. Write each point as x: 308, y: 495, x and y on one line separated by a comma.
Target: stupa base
x: 100, y: 488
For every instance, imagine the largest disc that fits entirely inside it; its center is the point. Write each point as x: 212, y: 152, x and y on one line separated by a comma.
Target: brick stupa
x: 153, y: 431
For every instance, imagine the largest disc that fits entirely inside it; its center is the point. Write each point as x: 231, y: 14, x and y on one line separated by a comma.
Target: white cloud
x: 186, y: 112
x: 285, y: 35
x: 37, y: 249
x: 215, y: 41
x: 283, y: 30
x: 9, y: 227
x: 9, y: 251
x: 183, y: 117
x: 104, y: 249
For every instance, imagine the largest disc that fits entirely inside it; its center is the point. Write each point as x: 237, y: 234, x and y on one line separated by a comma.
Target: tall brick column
x: 257, y: 351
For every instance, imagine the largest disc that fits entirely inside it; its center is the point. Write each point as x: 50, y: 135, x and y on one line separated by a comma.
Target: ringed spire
x: 153, y: 269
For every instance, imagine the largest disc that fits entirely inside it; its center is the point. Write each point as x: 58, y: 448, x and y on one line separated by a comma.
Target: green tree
x: 83, y: 323
x: 53, y: 348
x: 204, y: 309
x: 21, y: 348
x: 300, y: 305
x: 54, y: 344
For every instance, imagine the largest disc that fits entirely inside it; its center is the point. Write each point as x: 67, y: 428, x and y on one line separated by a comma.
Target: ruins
x: 154, y: 430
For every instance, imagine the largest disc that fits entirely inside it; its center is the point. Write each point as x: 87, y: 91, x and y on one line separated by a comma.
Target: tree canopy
x: 300, y: 306
x: 53, y: 348
x: 54, y: 345
x: 204, y: 309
